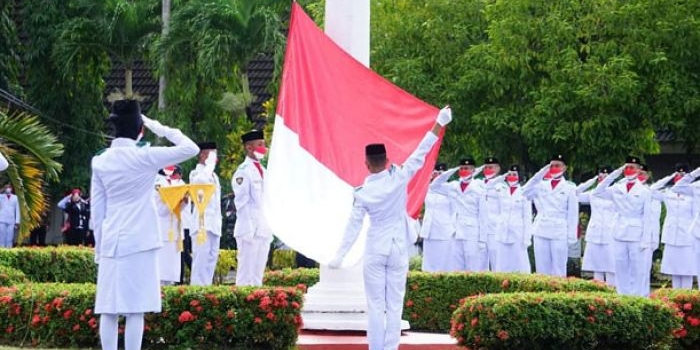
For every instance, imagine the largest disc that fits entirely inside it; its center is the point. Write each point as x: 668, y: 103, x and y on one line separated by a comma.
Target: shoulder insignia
x: 143, y: 144
x: 100, y: 151
x: 239, y: 180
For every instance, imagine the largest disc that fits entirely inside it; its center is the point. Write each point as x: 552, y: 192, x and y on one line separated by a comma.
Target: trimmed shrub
x: 687, y: 303
x: 283, y: 258
x: 553, y: 321
x: 432, y: 297
x: 10, y: 276
x: 52, y: 264
x: 61, y: 315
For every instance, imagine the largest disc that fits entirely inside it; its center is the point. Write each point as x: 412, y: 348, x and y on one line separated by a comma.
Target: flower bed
x: 61, y: 315
x: 687, y: 303
x: 553, y: 321
x: 431, y: 298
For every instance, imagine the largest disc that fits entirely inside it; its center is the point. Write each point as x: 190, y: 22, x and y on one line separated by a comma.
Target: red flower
x: 76, y: 328
x: 295, y: 305
x: 67, y: 314
x: 194, y: 303
x: 265, y: 303
x: 36, y: 320
x: 92, y: 322
x: 409, y: 303
x: 475, y: 321
x: 88, y: 312
x: 186, y: 316
x: 693, y: 321
x: 609, y: 312
x: 503, y: 335
x: 9, y: 329
x: 257, y: 320
x: 208, y: 327
x: 591, y: 307
x: 230, y: 314
x: 687, y: 306
x: 591, y: 319
x: 680, y: 333
x: 270, y: 316
x: 5, y: 299
x: 301, y: 287
x: 505, y: 284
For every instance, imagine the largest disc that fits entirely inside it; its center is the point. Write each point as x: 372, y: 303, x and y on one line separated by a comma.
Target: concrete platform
x: 350, y: 340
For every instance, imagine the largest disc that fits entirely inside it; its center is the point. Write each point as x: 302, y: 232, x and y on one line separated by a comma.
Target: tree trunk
x: 128, y: 82
x: 162, y: 84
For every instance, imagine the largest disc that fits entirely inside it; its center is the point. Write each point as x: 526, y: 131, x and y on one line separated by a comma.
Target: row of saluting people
x: 488, y: 223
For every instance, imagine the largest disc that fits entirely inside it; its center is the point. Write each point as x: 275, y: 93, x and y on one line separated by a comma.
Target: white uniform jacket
x: 438, y: 218
x: 681, y: 208
x: 467, y: 205
x: 383, y: 197
x: 203, y: 174
x: 557, y: 209
x: 517, y: 219
x: 121, y: 195
x: 496, y: 192
x: 247, y: 184
x: 687, y: 187
x: 601, y: 224
x: 9, y: 209
x: 633, y: 208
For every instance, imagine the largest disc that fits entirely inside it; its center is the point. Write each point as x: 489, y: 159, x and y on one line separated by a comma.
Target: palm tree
x: 32, y: 152
x: 121, y: 29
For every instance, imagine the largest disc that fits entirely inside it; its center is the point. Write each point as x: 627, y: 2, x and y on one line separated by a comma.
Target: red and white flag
x: 330, y: 106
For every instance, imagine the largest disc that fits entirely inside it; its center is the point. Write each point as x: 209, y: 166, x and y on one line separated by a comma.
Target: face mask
x: 602, y: 177
x: 630, y: 173
x: 489, y: 172
x: 555, y: 173
x: 168, y: 171
x: 642, y: 178
x: 260, y: 152
x: 512, y: 179
x: 678, y: 177
x: 465, y: 173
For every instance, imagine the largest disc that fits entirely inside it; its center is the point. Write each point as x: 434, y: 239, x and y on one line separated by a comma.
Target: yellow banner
x: 201, y: 194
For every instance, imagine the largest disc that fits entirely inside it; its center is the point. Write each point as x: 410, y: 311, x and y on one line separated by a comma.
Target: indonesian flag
x: 330, y: 107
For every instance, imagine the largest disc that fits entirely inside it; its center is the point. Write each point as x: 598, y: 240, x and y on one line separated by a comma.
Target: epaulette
x: 100, y: 151
x: 143, y: 144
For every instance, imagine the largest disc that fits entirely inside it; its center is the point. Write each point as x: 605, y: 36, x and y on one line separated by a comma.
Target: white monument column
x: 337, y: 301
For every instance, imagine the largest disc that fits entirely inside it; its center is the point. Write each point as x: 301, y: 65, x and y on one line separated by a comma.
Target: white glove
x: 336, y: 262
x: 211, y: 159
x: 445, y: 116
x: 155, y: 126
x: 695, y: 173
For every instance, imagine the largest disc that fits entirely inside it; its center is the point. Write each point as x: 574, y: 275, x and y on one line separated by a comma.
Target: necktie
x: 257, y: 165
x: 463, y: 185
x: 629, y: 185
x: 555, y: 182
x: 512, y: 189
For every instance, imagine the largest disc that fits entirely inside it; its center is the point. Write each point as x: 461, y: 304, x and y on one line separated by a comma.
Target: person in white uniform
x: 205, y: 255
x: 469, y: 249
x: 678, y: 241
x: 654, y: 222
x: 383, y: 197
x: 169, y: 255
x: 689, y: 187
x: 252, y: 232
x: 127, y: 236
x: 9, y: 217
x: 495, y: 194
x: 556, y: 224
x: 632, y: 233
x: 599, y: 256
x: 515, y: 234
x: 438, y: 228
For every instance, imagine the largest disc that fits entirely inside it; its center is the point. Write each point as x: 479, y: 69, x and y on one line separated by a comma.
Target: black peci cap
x: 375, y: 149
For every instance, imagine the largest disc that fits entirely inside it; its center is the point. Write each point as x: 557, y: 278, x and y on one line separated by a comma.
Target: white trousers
x: 551, y: 256
x: 251, y: 259
x: 436, y: 255
x: 492, y: 250
x: 647, y: 256
x: 469, y: 256
x: 204, y: 258
x: 7, y: 234
x: 628, y: 267
x: 385, y: 285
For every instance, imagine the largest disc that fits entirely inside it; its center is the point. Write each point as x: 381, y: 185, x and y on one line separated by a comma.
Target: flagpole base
x: 337, y: 302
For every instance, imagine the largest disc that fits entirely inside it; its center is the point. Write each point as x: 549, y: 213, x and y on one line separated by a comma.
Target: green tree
x: 71, y: 102
x: 32, y: 152
x: 209, y: 44
x: 121, y: 29
x: 9, y: 56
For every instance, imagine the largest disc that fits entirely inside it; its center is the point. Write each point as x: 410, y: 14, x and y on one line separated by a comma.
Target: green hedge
x: 687, y: 304
x: 69, y: 264
x: 554, y: 321
x: 61, y: 315
x: 10, y: 276
x: 431, y: 298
